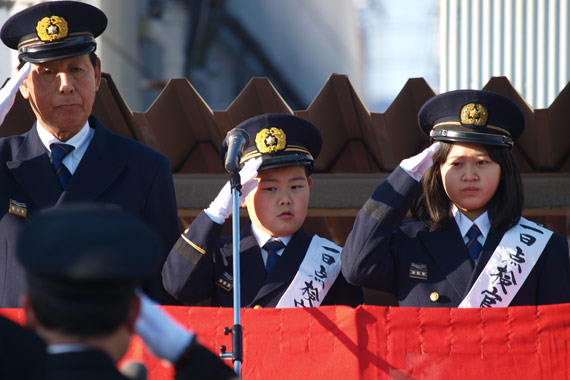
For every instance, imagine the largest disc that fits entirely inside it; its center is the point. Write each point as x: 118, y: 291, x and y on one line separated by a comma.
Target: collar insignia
x: 225, y: 282
x: 18, y: 208
x: 419, y: 271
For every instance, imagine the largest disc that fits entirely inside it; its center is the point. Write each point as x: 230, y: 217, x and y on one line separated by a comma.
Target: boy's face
x: 279, y: 204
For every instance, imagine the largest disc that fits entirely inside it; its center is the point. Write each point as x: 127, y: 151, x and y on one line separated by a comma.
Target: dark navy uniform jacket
x: 198, y: 271
x: 88, y: 364
x: 22, y: 352
x: 93, y: 364
x: 114, y: 170
x: 381, y: 250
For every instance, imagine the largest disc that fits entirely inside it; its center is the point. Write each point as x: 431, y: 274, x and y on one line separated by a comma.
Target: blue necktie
x: 473, y: 246
x: 58, y: 153
x: 272, y: 246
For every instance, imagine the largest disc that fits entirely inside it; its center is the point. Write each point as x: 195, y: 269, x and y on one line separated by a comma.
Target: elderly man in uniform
x: 68, y: 155
x: 82, y: 267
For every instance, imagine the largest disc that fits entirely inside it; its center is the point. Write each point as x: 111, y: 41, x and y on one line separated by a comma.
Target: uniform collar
x: 65, y: 348
x: 76, y: 141
x: 262, y: 237
x: 464, y: 223
x: 80, y: 141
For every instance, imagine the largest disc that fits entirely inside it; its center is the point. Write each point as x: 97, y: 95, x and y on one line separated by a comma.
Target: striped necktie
x: 473, y: 245
x: 58, y: 153
x: 272, y: 246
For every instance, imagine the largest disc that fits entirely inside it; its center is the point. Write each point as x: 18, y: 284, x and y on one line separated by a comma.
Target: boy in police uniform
x: 282, y: 266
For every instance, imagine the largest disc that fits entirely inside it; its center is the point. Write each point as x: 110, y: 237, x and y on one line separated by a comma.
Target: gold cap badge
x: 52, y: 28
x: 474, y: 114
x: 270, y: 140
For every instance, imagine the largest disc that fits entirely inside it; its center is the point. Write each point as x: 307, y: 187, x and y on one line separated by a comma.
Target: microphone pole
x: 236, y: 140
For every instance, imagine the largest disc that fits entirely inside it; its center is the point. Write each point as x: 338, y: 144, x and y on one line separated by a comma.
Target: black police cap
x: 281, y: 140
x: 472, y: 116
x: 54, y: 30
x: 87, y: 251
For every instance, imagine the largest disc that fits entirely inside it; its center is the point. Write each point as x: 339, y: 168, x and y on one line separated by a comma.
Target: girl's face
x: 470, y: 178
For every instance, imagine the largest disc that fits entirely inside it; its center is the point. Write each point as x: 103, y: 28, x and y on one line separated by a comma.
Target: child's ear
x: 310, y: 181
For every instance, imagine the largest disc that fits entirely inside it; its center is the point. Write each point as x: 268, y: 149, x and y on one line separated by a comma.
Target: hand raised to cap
x: 417, y: 165
x: 8, y: 92
x: 221, y: 207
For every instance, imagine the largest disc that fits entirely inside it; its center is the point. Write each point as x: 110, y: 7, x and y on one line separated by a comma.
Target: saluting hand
x: 8, y: 92
x: 417, y: 165
x: 221, y: 207
x: 162, y: 335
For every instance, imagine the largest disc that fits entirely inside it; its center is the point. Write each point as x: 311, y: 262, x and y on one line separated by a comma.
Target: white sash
x: 315, y: 276
x: 509, y: 266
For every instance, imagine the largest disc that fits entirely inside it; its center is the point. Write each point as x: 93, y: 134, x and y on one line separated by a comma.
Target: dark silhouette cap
x: 87, y: 252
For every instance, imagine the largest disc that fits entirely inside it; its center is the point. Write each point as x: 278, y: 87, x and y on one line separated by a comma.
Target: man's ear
x: 31, y: 319
x: 134, y: 310
x: 97, y: 70
x: 24, y: 89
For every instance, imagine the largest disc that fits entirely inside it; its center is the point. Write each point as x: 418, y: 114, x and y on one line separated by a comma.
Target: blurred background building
x: 220, y: 45
x: 523, y: 40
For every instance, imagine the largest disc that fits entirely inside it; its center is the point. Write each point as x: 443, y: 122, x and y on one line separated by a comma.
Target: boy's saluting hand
x: 221, y: 207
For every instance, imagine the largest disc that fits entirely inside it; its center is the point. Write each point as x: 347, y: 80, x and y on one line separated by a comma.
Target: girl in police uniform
x: 467, y: 244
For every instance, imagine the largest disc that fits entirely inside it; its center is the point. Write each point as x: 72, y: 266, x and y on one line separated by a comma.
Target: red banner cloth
x: 373, y: 342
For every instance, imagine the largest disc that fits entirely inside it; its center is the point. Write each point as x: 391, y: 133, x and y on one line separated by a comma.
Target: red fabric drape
x: 372, y: 342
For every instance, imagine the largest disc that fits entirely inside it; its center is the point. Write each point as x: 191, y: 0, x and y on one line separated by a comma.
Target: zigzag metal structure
x: 360, y: 146
x: 181, y: 124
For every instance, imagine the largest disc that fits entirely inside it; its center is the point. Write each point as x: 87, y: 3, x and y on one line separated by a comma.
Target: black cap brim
x: 442, y: 134
x: 68, y: 49
x: 298, y: 159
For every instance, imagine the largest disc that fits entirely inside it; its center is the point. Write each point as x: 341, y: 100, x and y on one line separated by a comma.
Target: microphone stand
x: 236, y: 331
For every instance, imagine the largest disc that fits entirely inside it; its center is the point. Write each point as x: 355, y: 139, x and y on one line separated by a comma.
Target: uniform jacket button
x: 258, y: 307
x: 434, y: 296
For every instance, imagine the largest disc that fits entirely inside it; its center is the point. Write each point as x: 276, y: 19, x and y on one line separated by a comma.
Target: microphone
x: 236, y: 139
x: 134, y: 370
